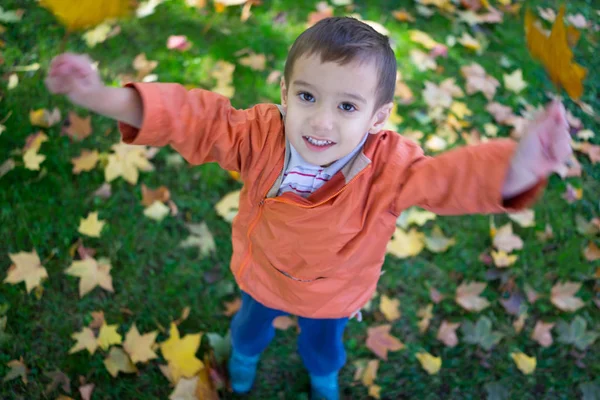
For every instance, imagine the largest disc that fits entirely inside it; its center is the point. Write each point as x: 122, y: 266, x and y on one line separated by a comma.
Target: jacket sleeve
x: 466, y: 180
x: 201, y: 125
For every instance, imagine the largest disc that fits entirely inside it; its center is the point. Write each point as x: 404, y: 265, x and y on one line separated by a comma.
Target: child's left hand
x: 545, y: 148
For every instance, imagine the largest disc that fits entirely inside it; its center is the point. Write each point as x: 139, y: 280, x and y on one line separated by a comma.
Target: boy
x: 323, y: 183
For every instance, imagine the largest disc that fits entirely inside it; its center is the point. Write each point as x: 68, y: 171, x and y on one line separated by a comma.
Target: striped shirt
x: 303, y: 178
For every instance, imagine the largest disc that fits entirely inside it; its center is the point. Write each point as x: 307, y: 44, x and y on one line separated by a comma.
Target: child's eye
x: 306, y: 96
x: 348, y: 107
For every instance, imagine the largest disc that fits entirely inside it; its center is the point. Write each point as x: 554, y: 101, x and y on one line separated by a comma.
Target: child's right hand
x: 74, y: 76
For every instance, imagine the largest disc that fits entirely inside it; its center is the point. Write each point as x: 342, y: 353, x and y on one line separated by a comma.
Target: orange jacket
x: 318, y: 257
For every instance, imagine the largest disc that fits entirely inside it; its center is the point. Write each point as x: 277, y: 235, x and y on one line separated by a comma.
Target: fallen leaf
x: 422, y: 61
x: 283, y: 322
x: 525, y: 218
x: 257, y: 62
x: 379, y: 341
x: 185, y: 389
x: 17, y: 369
x: 414, y: 215
x: 108, y: 336
x: 85, y: 340
x: 389, y: 308
x: 479, y: 81
x: 232, y: 307
x: 429, y: 363
x: 126, y: 161
x: 104, y: 191
x: 149, y: 196
x: 375, y: 391
x: 86, y: 161
x: 437, y: 242
x: 97, y: 319
x: 7, y: 166
x: 139, y: 347
x: 541, y: 333
x: 563, y: 296
x: 514, y: 82
x: 426, y: 314
x: 435, y: 295
x: 422, y: 38
x: 434, y: 96
x: 519, y: 323
x: 469, y: 42
x: 181, y: 353
x: 58, y: 378
x: 91, y: 225
x: 32, y: 159
x: 512, y: 305
x: 481, y: 333
x: 585, y: 134
x: 467, y: 296
x: 13, y: 81
x: 572, y: 194
x: 525, y: 363
x: 157, y: 211
x: 92, y: 273
x: 546, y: 235
x: 447, y: 333
x: 98, y: 34
x: 503, y: 259
x: 531, y: 294
x: 44, y: 118
x: 143, y: 66
x: 200, y: 237
x: 490, y: 130
x: 592, y: 252
x: 576, y: 333
x: 178, y: 42
x: 34, y: 141
x: 502, y: 114
x: 506, y: 240
x: 403, y: 245
x: 27, y: 268
x: 78, y: 128
x: 403, y: 16
x: 367, y: 373
x: 228, y: 206
x: 118, y: 361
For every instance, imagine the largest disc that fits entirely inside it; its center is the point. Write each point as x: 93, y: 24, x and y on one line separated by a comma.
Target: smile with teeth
x: 318, y: 142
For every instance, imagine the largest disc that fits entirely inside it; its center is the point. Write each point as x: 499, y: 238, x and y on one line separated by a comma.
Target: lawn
x: 155, y: 279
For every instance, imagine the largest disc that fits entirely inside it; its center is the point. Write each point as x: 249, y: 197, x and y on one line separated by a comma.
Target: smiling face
x: 331, y: 107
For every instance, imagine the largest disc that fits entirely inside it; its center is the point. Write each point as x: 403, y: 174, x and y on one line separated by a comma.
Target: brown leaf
x: 592, y: 252
x: 519, y: 323
x: 531, y: 294
x: 78, y: 128
x: 103, y: 191
x: 232, y: 307
x: 58, y: 378
x: 86, y: 391
x: 86, y: 161
x: 98, y: 319
x: 17, y: 369
x: 379, y: 341
x: 541, y: 333
x: 447, y: 333
x: 467, y: 296
x: 283, y: 322
x: 149, y: 196
x: 435, y: 295
x: 563, y: 296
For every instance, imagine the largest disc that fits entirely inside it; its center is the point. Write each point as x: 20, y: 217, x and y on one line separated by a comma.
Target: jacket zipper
x: 246, y: 259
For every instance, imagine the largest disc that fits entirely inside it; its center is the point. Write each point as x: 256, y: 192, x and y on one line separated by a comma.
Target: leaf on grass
x: 503, y: 259
x: 185, y: 389
x: 108, y: 336
x: 143, y: 66
x: 591, y: 252
x: 181, y: 353
x: 32, y: 159
x: 379, y: 341
x: 139, y: 347
x: 58, y: 378
x: 422, y: 61
x: 481, y: 333
x: 44, y: 118
x: 283, y: 322
x: 429, y: 363
x: 423, y: 39
x: 563, y: 296
x: 86, y: 161
x: 149, y: 196
x: 447, y: 333
x: 519, y: 323
x: 404, y: 244
x: 467, y: 296
x: 437, y: 242
x: 118, y: 361
x: 576, y: 333
x: 514, y: 82
x: 525, y: 363
x: 78, y: 128
x: 17, y: 369
x: 541, y: 333
x: 91, y: 225
x: 126, y: 161
x: 525, y: 218
x: 254, y: 61
x: 426, y: 314
x: 92, y: 273
x: 228, y: 206
x: 389, y: 308
x: 366, y: 371
x: 200, y: 237
x: 157, y: 211
x: 86, y: 391
x: 479, y: 81
x: 414, y: 215
x: 85, y: 340
x: 506, y: 240
x: 178, y: 42
x: 27, y: 268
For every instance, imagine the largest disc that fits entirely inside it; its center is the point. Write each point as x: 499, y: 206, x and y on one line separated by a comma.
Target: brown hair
x: 343, y: 40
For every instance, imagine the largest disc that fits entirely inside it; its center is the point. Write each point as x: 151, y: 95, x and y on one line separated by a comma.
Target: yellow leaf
x: 525, y: 363
x: 429, y: 363
x: 375, y: 391
x: 460, y: 109
x: 108, y: 336
x: 423, y: 39
x: 127, y: 161
x: 97, y: 35
x: 437, y: 242
x: 469, y: 42
x: 514, y: 82
x: 35, y: 140
x: 118, y: 360
x: 32, y: 159
x: 370, y: 373
x: 554, y: 53
x: 525, y: 218
x: 91, y: 226
x: 92, y: 273
x: 44, y: 118
x: 426, y: 314
x: 84, y: 14
x: 490, y: 129
x: 86, y: 161
x: 228, y: 206
x: 405, y: 245
x: 157, y: 211
x: 414, y: 215
x: 27, y: 268
x: 181, y: 353
x: 139, y: 346
x: 503, y: 259
x: 85, y: 340
x: 389, y: 308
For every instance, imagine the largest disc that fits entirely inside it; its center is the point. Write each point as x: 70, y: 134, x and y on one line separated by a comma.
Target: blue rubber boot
x: 325, y: 387
x: 242, y: 371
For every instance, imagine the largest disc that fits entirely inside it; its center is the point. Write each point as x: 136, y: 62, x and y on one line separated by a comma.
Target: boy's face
x: 330, y: 108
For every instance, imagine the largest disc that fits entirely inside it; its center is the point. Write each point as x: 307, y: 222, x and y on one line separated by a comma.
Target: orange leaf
x: 78, y: 128
x: 379, y: 341
x: 554, y: 53
x: 592, y: 252
x: 447, y: 333
x: 149, y: 196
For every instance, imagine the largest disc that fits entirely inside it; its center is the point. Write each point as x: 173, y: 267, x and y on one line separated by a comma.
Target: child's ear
x: 283, y: 92
x: 380, y: 117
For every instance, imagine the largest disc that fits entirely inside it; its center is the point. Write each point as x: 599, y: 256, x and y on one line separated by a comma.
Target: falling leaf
x: 17, y: 369
x: 541, y: 333
x: 514, y: 82
x: 32, y: 159
x: 127, y: 161
x: 91, y: 225
x: 506, y: 240
x: 178, y: 42
x: 503, y: 259
x: 379, y: 341
x: 592, y: 252
x: 283, y: 322
x: 27, y: 268
x: 44, y: 118
x: 426, y: 314
x: 554, y: 53
x: 467, y: 296
x: 563, y: 296
x: 232, y: 307
x: 525, y: 363
x: 254, y: 61
x: 181, y: 353
x: 92, y: 273
x: 185, y: 389
x: 429, y: 363
x: 404, y: 245
x: 78, y: 128
x: 447, y: 333
x: 437, y: 242
x: 108, y: 336
x: 85, y: 340
x: 157, y: 211
x: 86, y: 14
x: 58, y: 378
x: 86, y: 161
x: 139, y: 347
x: 479, y: 81
x: 118, y: 361
x: 389, y: 308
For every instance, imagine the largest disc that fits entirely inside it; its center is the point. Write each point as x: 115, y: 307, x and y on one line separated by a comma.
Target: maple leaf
x: 375, y: 391
x: 97, y: 319
x: 554, y: 53
x: 389, y: 308
x: 228, y: 206
x: 108, y: 336
x: 143, y: 66
x: 479, y: 81
x: 434, y: 96
x: 78, y: 128
x: 185, y: 389
x: 86, y: 161
x: 17, y: 369
x: 435, y: 295
x: 469, y: 42
x: 32, y: 159
x: 200, y: 237
x: 404, y: 245
x: 86, y: 391
x: 91, y: 225
x: 85, y: 340
x: 437, y: 242
x: 181, y: 353
x: 254, y: 61
x: 426, y: 314
x: 422, y: 38
x: 519, y: 323
x: 118, y: 361
x: 157, y: 211
x: 541, y: 333
x: 503, y: 259
x: 379, y: 341
x: 92, y: 273
x: 502, y: 114
x: 139, y: 347
x: 563, y: 296
x: 58, y: 378
x: 86, y: 13
x: 27, y: 268
x: 283, y: 322
x: 591, y: 252
x: 149, y: 196
x: 525, y: 218
x: 460, y: 109
x: 576, y: 333
x: 481, y: 333
x: 525, y: 363
x: 44, y: 118
x: 467, y: 296
x: 429, y: 363
x: 506, y: 240
x: 414, y: 215
x: 514, y: 82
x: 447, y: 333
x: 126, y: 161
x: 366, y: 371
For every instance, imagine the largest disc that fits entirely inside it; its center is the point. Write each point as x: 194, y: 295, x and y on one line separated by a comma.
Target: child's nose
x: 322, y: 120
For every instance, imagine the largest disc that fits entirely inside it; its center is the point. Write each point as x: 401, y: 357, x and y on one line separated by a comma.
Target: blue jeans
x: 320, y: 341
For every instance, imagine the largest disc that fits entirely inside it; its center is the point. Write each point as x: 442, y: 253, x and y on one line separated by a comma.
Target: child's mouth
x: 317, y: 145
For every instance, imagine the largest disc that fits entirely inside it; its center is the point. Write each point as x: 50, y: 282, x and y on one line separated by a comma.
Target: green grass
x: 154, y: 279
